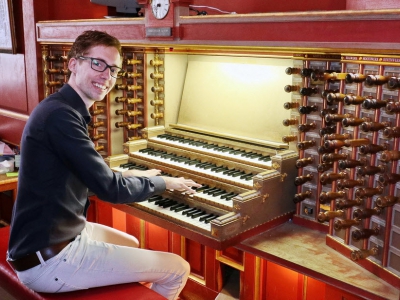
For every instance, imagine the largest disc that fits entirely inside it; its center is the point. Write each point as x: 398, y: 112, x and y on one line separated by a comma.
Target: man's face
x: 90, y: 84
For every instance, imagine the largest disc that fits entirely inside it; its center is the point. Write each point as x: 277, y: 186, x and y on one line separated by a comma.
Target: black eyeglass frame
x: 120, y: 71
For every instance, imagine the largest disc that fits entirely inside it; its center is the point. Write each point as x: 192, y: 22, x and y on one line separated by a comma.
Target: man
x: 52, y: 247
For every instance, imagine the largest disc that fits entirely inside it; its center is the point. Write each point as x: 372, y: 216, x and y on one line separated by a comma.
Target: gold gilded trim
x: 228, y: 262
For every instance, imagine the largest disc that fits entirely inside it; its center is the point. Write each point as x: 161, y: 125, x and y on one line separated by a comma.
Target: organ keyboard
x: 245, y: 190
x: 223, y: 137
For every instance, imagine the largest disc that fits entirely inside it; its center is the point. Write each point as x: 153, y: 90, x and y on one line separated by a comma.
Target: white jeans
x: 101, y: 256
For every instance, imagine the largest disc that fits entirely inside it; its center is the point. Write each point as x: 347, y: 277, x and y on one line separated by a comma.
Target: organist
x: 52, y: 247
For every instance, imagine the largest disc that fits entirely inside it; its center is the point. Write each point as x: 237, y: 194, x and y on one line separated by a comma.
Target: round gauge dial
x: 160, y: 8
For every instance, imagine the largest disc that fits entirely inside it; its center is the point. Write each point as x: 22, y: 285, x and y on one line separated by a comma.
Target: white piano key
x: 212, y: 151
x: 247, y: 183
x: 172, y: 215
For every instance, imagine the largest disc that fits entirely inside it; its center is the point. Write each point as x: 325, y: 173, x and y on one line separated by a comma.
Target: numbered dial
x: 160, y: 8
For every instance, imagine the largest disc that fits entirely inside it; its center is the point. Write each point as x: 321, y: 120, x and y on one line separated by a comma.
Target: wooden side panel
x: 195, y: 255
x: 315, y: 290
x: 281, y: 282
x: 249, y: 279
x: 332, y: 293
x: 157, y: 238
x: 133, y: 226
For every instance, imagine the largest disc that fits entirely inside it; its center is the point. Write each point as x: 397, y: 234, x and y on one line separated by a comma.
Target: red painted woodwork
x: 133, y: 226
x: 315, y: 290
x: 255, y: 6
x: 281, y: 282
x: 195, y: 255
x: 372, y: 4
x: 249, y: 279
x: 233, y: 254
x: 157, y: 238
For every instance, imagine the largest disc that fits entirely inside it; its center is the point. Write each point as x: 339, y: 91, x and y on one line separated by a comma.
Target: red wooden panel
x: 195, y: 255
x: 233, y: 254
x: 372, y: 4
x: 75, y: 9
x: 92, y: 212
x: 157, y: 238
x: 315, y: 289
x: 281, y: 282
x: 247, y: 289
x: 252, y: 6
x: 332, y: 293
x: 119, y: 219
x: 133, y: 226
x: 104, y: 213
x: 318, y: 31
x: 12, y: 83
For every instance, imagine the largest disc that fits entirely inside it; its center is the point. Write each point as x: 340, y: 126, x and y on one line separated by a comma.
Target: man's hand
x: 180, y: 184
x: 140, y: 173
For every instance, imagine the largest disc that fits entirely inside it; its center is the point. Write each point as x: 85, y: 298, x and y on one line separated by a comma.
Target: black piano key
x: 211, y: 191
x: 200, y: 189
x: 209, y: 146
x: 205, y: 217
x: 229, y: 172
x: 177, y: 205
x: 230, y: 196
x: 205, y: 191
x: 248, y: 177
x: 209, y: 166
x: 210, y: 218
x: 190, y: 213
x: 218, y: 193
x: 265, y: 158
x: 245, y: 175
x: 168, y: 203
x: 191, y: 162
x: 154, y: 198
x: 224, y: 196
x: 181, y: 208
x: 236, y: 174
x: 185, y: 212
x: 160, y: 201
x: 198, y: 214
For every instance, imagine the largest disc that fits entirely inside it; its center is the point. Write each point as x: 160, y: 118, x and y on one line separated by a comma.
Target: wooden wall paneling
x: 134, y: 227
x: 233, y: 254
x: 118, y: 219
x: 104, y: 212
x: 333, y: 293
x: 157, y: 238
x: 281, y: 282
x: 251, y: 277
x: 313, y: 289
x: 195, y: 254
x: 253, y: 6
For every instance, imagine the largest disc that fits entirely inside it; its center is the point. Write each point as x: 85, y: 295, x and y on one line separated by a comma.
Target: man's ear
x: 72, y: 64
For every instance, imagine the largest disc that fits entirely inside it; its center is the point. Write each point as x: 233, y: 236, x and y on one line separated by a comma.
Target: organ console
x: 247, y: 175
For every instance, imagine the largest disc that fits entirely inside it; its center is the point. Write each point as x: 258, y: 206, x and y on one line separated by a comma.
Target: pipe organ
x: 274, y: 132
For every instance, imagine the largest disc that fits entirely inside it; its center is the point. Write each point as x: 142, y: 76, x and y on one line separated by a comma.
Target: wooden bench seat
x: 9, y: 282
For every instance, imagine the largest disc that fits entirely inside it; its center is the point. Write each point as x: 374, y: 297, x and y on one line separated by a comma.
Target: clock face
x: 160, y: 8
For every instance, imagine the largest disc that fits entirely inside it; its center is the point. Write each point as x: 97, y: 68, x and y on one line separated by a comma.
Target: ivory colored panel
x: 239, y: 96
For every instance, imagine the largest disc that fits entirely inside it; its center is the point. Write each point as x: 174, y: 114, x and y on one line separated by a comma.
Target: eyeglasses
x: 100, y: 66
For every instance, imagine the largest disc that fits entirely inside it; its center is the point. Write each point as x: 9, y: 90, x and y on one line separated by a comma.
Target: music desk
x: 305, y: 251
x: 9, y: 184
